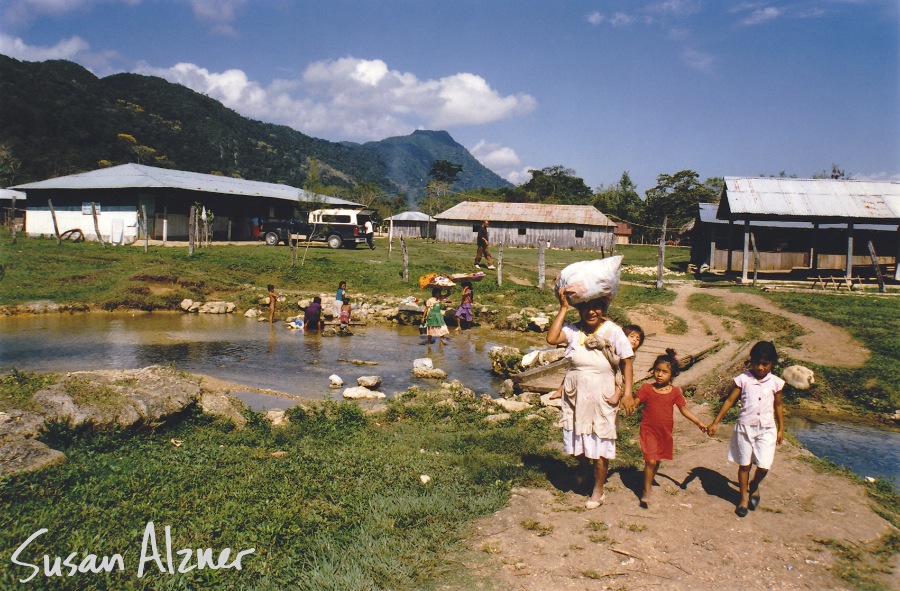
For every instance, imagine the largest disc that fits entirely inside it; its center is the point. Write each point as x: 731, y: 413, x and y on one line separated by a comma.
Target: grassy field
x: 85, y: 274
x: 340, y: 505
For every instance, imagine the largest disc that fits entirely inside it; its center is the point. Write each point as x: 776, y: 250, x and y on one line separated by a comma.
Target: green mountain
x: 57, y: 118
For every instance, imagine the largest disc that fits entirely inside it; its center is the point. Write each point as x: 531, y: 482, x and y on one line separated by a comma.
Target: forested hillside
x: 57, y: 118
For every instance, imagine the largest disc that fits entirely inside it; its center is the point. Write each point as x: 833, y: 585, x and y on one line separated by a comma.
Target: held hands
x: 711, y: 429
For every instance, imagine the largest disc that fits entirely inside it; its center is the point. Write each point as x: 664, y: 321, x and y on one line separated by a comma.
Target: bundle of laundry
x: 585, y: 280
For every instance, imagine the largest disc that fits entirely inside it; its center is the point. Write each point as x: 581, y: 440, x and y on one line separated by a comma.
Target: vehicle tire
x: 272, y: 239
x: 334, y: 241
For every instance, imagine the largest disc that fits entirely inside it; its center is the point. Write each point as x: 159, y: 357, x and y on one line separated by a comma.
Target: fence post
x: 541, y: 275
x: 12, y: 218
x: 192, y: 215
x: 405, y: 259
x: 146, y: 229
x: 755, y: 256
x: 97, y: 224
x: 55, y: 226
x: 661, y: 257
x: 500, y: 265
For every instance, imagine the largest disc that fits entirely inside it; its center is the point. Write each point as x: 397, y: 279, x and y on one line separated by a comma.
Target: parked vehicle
x: 337, y: 227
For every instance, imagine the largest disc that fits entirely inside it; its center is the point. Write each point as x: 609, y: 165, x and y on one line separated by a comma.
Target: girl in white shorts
x: 760, y: 425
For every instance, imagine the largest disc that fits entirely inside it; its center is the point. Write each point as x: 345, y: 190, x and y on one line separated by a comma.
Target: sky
x: 601, y: 87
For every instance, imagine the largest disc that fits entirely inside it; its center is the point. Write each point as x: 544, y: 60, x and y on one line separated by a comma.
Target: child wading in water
x: 464, y: 313
x: 759, y: 427
x: 434, y: 317
x: 657, y: 421
x: 345, y: 313
x: 272, y: 299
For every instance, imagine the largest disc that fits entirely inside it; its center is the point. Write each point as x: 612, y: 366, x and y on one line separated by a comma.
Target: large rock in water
x: 505, y: 361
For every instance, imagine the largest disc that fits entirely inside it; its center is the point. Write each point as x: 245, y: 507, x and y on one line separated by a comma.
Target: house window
x: 579, y: 233
x: 522, y: 231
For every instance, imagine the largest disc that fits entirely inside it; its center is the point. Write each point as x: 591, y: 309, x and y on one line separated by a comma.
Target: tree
x: 676, y: 196
x: 620, y: 201
x: 558, y: 184
x: 444, y: 171
x: 313, y: 182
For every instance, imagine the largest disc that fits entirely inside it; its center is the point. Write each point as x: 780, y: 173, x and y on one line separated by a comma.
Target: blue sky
x: 649, y: 87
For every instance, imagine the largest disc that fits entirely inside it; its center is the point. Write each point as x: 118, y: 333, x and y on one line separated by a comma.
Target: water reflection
x: 244, y: 351
x: 867, y: 450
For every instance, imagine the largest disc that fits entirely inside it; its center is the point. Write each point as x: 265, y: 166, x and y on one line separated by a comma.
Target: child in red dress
x: 657, y: 421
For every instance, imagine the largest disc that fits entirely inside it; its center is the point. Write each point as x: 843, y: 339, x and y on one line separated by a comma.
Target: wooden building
x: 812, y: 224
x: 119, y: 193
x: 580, y: 227
x: 411, y: 224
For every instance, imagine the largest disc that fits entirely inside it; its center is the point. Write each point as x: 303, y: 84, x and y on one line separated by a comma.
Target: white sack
x: 586, y: 280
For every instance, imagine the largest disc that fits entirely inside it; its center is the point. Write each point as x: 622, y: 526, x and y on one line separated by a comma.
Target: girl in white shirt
x: 760, y: 425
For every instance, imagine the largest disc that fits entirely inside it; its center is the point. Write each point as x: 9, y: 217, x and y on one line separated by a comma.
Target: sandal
x: 754, y: 502
x: 741, y: 511
x: 595, y: 504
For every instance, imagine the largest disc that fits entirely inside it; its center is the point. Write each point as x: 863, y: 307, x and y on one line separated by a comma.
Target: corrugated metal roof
x: 744, y: 197
x: 708, y: 216
x: 9, y: 194
x: 411, y: 216
x: 583, y: 215
x: 138, y: 176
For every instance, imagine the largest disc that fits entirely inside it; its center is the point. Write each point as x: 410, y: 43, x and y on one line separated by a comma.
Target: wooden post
x: 146, y: 229
x: 390, y: 238
x: 541, y: 244
x: 405, y: 259
x: 814, y: 249
x: 12, y: 215
x: 97, y: 224
x: 292, y: 242
x: 730, y: 259
x: 165, y: 233
x: 875, y: 264
x: 896, y: 255
x: 661, y: 257
x: 755, y: 256
x: 849, y: 274
x: 500, y: 266
x: 55, y: 226
x: 745, y: 264
x: 192, y: 215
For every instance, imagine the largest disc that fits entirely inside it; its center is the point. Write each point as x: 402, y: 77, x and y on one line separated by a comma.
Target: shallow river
x: 258, y: 355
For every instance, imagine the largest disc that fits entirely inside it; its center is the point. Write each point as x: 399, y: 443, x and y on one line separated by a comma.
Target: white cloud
x: 762, y: 15
x: 702, y: 62
x: 503, y: 160
x: 354, y: 98
x: 219, y: 14
x: 67, y: 49
x: 620, y: 19
x: 595, y: 18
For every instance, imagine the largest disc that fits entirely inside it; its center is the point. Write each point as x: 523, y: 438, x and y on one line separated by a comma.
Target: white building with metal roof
x: 119, y: 193
x: 582, y: 227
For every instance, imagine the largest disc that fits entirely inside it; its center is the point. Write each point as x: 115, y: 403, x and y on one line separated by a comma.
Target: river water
x: 259, y: 355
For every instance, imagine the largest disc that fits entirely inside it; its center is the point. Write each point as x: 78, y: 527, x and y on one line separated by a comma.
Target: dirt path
x: 689, y: 538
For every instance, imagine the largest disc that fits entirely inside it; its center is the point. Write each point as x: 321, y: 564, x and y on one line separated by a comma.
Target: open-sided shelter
x: 118, y: 194
x: 799, y: 223
x: 582, y: 227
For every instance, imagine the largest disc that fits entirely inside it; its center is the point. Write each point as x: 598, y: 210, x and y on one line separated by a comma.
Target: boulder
x: 369, y: 381
x: 505, y: 361
x: 423, y: 363
x: 277, y: 417
x: 361, y: 393
x: 546, y: 401
x: 335, y: 381
x: 512, y: 405
x: 251, y: 313
x: 538, y: 323
x: 226, y: 407
x: 186, y: 304
x: 214, y: 307
x: 27, y: 455
x: 433, y: 373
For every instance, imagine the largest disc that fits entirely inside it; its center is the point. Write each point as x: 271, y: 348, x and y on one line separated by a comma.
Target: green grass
x: 17, y: 389
x: 342, y: 508
x: 127, y: 277
x: 873, y: 321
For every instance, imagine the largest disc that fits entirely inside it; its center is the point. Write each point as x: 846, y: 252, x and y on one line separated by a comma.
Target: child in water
x: 345, y: 313
x: 760, y: 426
x: 657, y: 422
x: 464, y: 313
x: 434, y: 316
x: 272, y: 299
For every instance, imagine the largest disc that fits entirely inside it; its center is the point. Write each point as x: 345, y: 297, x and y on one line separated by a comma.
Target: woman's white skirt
x: 590, y: 445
